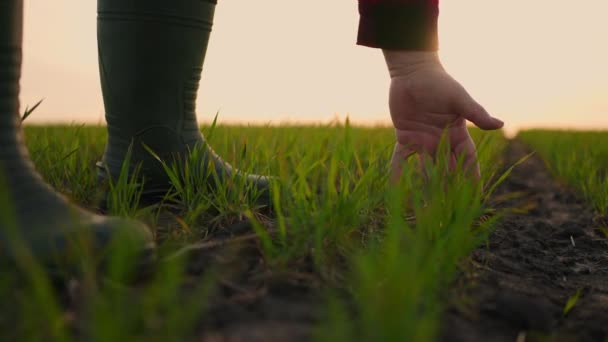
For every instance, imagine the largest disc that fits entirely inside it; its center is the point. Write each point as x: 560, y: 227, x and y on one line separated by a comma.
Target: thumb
x: 468, y: 108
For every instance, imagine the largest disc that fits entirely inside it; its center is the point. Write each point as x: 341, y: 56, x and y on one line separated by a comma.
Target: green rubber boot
x: 34, y: 219
x: 151, y: 55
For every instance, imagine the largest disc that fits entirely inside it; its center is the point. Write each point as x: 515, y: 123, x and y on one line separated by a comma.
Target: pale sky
x: 531, y: 63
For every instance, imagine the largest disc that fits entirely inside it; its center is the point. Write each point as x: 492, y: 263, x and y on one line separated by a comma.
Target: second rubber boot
x: 34, y: 219
x: 151, y: 55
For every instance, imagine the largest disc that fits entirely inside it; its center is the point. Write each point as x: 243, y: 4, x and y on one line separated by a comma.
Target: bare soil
x: 516, y: 287
x: 253, y: 303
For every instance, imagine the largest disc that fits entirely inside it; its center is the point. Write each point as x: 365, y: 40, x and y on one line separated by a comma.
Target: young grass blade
x: 504, y: 176
x: 64, y: 158
x: 571, y: 303
x: 126, y: 191
x: 209, y: 134
x: 29, y: 111
x: 267, y: 244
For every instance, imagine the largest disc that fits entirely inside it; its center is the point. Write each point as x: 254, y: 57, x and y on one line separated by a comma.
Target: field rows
x: 580, y: 159
x: 378, y: 257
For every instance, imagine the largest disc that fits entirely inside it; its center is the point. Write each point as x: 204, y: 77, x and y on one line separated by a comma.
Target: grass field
x: 379, y: 257
x: 577, y: 158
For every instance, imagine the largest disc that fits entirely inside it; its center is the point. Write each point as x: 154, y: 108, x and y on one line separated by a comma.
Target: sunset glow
x: 531, y: 63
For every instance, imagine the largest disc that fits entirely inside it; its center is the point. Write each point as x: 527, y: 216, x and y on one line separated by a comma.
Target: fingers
x: 467, y: 107
x: 461, y: 151
x: 466, y: 149
x: 400, y: 155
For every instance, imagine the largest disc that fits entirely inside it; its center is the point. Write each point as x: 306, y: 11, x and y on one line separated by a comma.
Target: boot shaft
x: 13, y: 155
x: 16, y: 169
x: 11, y: 31
x: 151, y: 54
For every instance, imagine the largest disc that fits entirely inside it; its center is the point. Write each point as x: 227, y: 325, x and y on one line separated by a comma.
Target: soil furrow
x: 516, y: 287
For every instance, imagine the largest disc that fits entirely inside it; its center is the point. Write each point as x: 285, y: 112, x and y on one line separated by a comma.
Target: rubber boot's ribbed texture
x: 151, y: 55
x: 28, y: 206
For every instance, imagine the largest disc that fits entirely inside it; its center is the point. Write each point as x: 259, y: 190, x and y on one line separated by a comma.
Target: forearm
x: 399, y: 24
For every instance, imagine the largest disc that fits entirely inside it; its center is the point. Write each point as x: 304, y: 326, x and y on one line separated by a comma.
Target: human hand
x: 425, y: 101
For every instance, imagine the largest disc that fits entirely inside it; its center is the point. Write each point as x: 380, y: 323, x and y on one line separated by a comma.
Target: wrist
x: 404, y: 62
